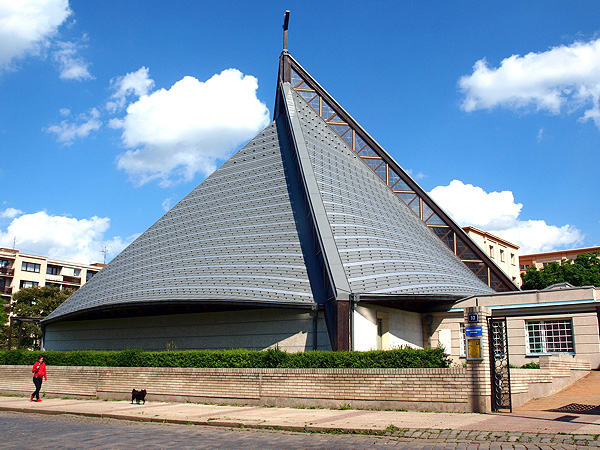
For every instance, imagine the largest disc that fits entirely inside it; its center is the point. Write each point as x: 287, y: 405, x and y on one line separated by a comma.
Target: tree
x: 582, y: 271
x: 37, y: 302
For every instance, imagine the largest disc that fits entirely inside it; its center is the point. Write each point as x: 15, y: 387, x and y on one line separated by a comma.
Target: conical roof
x: 295, y: 219
x: 233, y: 239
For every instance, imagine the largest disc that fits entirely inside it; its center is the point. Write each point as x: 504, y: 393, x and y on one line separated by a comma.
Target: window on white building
x: 501, y: 255
x: 28, y: 284
x: 30, y: 267
x: 549, y: 336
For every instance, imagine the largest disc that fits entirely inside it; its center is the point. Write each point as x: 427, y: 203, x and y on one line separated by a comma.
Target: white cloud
x: 60, y: 237
x: 27, y: 25
x: 497, y: 213
x: 174, y: 134
x: 10, y: 213
x: 167, y: 203
x: 417, y: 176
x: 564, y: 77
x: 136, y: 83
x: 66, y: 132
x: 540, y: 135
x: 71, y: 65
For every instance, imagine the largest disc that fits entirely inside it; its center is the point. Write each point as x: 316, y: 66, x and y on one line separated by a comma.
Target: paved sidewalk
x: 522, y: 426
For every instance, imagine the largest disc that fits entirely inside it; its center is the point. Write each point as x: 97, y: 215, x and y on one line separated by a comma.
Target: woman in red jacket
x: 39, y: 372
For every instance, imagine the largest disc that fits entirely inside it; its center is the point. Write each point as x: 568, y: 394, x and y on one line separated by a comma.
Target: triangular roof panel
x: 406, y: 189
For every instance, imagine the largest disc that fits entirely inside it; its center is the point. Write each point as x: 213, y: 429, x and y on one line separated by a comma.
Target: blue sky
x: 112, y: 111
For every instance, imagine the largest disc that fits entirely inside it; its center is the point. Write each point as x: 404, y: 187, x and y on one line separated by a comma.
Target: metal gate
x: 501, y: 398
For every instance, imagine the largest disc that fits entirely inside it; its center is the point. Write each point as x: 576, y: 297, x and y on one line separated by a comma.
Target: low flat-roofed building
x: 559, y: 320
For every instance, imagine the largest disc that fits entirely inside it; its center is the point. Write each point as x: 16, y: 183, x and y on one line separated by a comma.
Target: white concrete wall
x: 290, y: 330
x: 400, y: 328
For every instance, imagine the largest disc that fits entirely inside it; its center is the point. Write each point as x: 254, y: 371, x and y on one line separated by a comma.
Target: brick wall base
x: 410, y: 389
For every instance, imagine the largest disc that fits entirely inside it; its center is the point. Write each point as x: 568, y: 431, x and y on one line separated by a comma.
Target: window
x: 501, y: 255
x: 29, y: 284
x: 524, y: 266
x: 549, y: 336
x: 512, y: 259
x: 53, y: 270
x: 491, y: 251
x: 89, y: 274
x: 3, y: 263
x: 30, y: 267
x: 77, y: 272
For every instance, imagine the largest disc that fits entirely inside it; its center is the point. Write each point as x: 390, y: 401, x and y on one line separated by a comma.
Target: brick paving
x: 19, y: 430
x: 581, y: 397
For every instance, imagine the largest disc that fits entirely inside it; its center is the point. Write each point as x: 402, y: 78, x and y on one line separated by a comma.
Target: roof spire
x: 286, y: 20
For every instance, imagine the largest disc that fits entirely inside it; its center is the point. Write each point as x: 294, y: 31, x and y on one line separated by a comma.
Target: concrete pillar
x: 479, y: 370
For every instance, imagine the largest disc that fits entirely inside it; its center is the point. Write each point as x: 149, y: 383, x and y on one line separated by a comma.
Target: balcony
x: 74, y: 280
x: 54, y: 277
x: 7, y: 271
x: 5, y: 290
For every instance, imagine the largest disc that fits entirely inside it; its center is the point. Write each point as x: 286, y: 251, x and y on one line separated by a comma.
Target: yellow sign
x: 474, y: 348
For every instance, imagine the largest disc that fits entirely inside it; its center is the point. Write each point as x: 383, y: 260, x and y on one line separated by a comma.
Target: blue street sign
x: 473, y: 331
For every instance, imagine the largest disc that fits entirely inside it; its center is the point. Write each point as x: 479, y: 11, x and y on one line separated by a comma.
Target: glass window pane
x: 479, y: 269
x: 360, y: 144
x: 497, y: 284
x: 411, y: 199
x: 340, y: 129
x: 308, y: 96
x: 374, y: 163
x: 435, y: 220
x: 427, y: 211
x: 315, y: 103
x: 327, y: 111
x: 348, y: 137
x: 401, y: 184
x: 446, y: 235
x: 367, y: 151
x: 550, y: 336
x: 394, y: 178
x: 463, y: 251
x: 296, y: 78
x: 382, y: 172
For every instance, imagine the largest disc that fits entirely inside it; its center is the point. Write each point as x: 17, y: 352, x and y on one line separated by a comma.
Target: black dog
x: 138, y: 396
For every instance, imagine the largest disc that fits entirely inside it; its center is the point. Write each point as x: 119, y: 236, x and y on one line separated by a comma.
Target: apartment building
x: 505, y: 254
x: 19, y: 270
x: 540, y: 260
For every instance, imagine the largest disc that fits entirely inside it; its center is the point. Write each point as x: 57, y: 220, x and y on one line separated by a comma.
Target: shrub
x: 404, y: 357
x: 531, y: 365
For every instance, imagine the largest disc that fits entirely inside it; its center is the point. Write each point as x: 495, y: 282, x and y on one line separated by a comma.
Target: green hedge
x: 238, y: 358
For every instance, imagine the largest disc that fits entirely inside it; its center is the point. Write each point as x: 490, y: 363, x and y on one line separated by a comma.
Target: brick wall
x: 411, y: 389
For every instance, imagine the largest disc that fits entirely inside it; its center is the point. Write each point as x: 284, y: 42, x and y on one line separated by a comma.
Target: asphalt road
x: 19, y: 431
